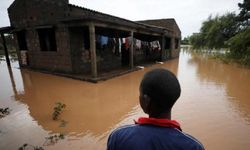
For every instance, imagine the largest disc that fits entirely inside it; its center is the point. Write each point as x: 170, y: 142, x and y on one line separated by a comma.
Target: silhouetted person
x: 159, y: 90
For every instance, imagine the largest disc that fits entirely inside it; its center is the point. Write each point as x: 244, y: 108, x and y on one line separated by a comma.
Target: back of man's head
x: 162, y: 87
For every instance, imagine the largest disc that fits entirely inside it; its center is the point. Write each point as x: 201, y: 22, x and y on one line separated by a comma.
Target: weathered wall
x: 24, y: 13
x: 59, y: 60
x: 79, y: 50
x: 175, y: 53
x: 27, y: 14
x: 166, y: 23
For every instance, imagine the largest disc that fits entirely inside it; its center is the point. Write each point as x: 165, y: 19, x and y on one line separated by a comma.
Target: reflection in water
x: 213, y: 106
x: 215, y: 96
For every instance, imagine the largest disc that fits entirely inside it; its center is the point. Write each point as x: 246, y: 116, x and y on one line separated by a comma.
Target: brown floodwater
x: 214, y: 105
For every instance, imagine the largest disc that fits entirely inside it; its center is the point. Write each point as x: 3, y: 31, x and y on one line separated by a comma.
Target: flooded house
x: 56, y: 37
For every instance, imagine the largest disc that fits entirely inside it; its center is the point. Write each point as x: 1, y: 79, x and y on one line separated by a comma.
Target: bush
x: 240, y: 46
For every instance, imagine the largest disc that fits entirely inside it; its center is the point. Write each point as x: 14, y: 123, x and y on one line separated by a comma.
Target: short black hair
x: 162, y: 87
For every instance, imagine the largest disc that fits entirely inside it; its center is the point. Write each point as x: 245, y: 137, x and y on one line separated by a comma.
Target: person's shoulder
x: 195, y: 142
x: 118, y: 135
x: 125, y: 128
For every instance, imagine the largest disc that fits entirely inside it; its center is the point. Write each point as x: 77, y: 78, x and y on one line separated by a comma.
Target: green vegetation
x: 185, y: 41
x: 215, y: 31
x: 28, y: 146
x: 229, y: 31
x: 52, y: 139
x: 57, y: 110
x: 4, y: 112
x: 240, y: 47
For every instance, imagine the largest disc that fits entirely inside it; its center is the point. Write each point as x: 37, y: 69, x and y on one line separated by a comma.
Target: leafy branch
x: 28, y: 146
x: 4, y: 112
x: 53, y: 139
x: 57, y: 110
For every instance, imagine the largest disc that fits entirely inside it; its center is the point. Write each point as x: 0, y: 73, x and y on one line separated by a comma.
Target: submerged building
x: 61, y: 38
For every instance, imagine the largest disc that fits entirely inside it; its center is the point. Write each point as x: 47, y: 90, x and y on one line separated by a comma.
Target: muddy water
x: 214, y: 105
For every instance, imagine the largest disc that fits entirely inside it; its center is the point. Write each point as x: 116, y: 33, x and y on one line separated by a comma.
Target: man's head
x: 159, y: 90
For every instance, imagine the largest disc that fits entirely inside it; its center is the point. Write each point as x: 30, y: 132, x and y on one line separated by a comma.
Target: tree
x: 197, y: 40
x: 244, y: 15
x: 240, y: 42
x: 240, y: 46
x: 185, y: 41
x: 227, y: 31
x: 215, y: 31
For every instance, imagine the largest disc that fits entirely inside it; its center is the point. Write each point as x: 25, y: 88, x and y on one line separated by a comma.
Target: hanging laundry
x: 120, y: 45
x: 138, y: 44
x: 123, y: 40
x: 159, y: 45
x: 127, y: 43
x: 155, y: 45
x: 104, y: 40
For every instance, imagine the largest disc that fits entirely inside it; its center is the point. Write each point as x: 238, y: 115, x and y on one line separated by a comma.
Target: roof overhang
x: 123, y: 25
x: 6, y: 29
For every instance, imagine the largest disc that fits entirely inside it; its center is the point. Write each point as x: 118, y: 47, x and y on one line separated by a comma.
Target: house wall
x: 59, y: 60
x: 26, y: 13
x: 175, y: 53
x: 80, y: 54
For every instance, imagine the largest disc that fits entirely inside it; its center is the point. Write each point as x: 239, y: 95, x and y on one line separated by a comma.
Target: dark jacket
x: 151, y: 137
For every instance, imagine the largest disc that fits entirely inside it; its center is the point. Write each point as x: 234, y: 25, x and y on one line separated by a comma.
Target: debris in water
x: 140, y: 67
x: 159, y: 62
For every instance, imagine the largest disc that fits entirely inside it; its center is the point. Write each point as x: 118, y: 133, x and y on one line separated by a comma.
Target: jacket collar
x: 159, y: 122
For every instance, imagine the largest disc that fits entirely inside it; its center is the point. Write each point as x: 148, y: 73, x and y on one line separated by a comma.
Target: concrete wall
x: 175, y: 53
x: 81, y: 59
x: 25, y: 13
x: 175, y: 50
x: 59, y: 60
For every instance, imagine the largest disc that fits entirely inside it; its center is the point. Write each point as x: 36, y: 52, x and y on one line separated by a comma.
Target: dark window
x: 47, y: 39
x: 176, y: 43
x: 21, y: 39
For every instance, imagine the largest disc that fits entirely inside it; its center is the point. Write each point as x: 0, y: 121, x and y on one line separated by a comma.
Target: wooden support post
x: 163, y: 50
x: 12, y: 81
x: 5, y: 50
x: 93, y: 50
x: 131, y: 52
